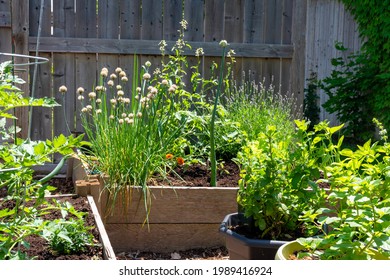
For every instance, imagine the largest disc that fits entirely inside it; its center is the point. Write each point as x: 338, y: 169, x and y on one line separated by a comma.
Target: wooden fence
x: 278, y: 41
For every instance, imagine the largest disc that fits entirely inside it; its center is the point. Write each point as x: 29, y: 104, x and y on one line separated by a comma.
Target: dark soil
x: 199, y: 175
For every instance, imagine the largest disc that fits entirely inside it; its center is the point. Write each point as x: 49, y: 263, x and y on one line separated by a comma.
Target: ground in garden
x: 39, y: 248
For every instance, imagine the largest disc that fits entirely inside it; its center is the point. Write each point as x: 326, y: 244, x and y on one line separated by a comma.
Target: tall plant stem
x: 213, y: 158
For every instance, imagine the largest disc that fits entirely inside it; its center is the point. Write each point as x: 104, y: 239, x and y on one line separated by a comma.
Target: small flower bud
x: 148, y: 64
x: 110, y: 83
x: 92, y: 95
x: 223, y: 43
x: 146, y: 76
x: 63, y: 89
x: 104, y: 72
x: 80, y: 90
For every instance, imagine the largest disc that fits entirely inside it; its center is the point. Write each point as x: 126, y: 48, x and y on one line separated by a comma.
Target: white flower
x: 80, y: 97
x: 120, y: 93
x: 139, y: 89
x: 139, y: 115
x: 92, y: 95
x: 118, y: 70
x: 113, y: 76
x: 126, y: 100
x: 146, y: 76
x: 113, y: 101
x: 164, y: 82
x: 199, y: 52
x: 63, y: 89
x: 122, y: 74
x: 80, y: 90
x: 89, y: 107
x: 131, y: 116
x: 104, y: 72
x: 120, y: 121
x: 172, y: 88
x: 98, y: 101
x: 223, y: 43
x: 98, y: 111
x: 112, y: 117
x: 98, y: 88
x: 124, y: 115
x: 110, y: 83
x: 84, y: 110
x: 148, y: 63
x: 124, y: 79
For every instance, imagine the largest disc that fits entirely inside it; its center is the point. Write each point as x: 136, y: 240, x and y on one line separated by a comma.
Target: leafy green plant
x: 281, y: 175
x: 357, y: 205
x: 67, y: 235
x: 18, y: 219
x: 274, y: 189
x: 311, y: 109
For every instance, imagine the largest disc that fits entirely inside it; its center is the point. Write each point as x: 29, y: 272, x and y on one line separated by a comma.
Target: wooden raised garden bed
x: 180, y: 218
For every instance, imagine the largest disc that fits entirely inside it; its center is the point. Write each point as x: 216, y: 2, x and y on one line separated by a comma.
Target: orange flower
x: 168, y: 156
x: 180, y: 160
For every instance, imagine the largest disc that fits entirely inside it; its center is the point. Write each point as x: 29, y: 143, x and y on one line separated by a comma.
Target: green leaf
x: 59, y: 141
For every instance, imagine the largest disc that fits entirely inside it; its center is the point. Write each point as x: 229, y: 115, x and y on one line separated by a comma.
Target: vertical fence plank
x: 108, y: 19
x: 173, y: 14
x: 5, y: 29
x: 64, y: 68
x: 193, y: 13
x: 20, y: 23
x: 130, y: 19
x: 214, y: 30
x: 86, y: 19
x: 151, y: 20
x: 40, y: 82
x: 299, y: 40
x: 254, y: 22
x: 85, y: 64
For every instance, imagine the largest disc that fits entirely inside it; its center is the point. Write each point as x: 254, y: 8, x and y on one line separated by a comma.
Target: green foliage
x: 67, y: 235
x: 279, y: 180
x: 358, y: 89
x: 357, y: 208
x: 18, y: 218
x: 11, y: 96
x: 254, y: 106
x: 311, y: 110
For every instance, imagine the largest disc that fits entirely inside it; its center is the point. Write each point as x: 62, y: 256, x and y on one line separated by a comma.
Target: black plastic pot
x: 241, y: 247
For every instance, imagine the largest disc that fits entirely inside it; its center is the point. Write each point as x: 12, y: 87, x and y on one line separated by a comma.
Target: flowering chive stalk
x: 213, y: 158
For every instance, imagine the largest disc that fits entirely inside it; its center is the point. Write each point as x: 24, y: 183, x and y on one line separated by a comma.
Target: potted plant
x: 280, y: 182
x: 357, y: 209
